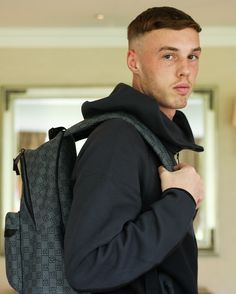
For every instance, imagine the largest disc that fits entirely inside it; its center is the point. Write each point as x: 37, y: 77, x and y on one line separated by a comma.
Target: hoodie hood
x: 175, y: 134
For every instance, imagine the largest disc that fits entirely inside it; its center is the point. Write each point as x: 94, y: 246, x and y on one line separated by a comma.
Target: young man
x: 130, y: 227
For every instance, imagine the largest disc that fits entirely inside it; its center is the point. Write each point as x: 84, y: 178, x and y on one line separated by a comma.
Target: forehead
x: 186, y: 38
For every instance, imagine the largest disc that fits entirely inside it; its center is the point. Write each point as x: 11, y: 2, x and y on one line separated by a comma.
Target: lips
x: 182, y: 88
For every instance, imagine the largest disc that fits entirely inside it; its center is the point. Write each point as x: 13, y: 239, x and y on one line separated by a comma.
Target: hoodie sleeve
x: 109, y: 240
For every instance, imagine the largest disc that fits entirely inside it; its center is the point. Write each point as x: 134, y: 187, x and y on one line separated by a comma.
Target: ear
x: 132, y: 61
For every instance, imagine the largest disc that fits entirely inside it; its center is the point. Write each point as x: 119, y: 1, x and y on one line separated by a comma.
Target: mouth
x: 182, y: 89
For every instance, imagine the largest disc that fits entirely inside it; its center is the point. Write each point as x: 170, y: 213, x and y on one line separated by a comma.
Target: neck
x: 170, y: 113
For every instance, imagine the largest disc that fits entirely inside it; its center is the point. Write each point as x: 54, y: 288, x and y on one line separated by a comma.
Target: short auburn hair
x: 159, y: 18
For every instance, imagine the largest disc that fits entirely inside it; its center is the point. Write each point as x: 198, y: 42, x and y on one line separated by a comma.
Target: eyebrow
x: 169, y: 48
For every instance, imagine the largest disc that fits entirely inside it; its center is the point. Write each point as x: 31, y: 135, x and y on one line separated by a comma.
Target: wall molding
x: 94, y: 37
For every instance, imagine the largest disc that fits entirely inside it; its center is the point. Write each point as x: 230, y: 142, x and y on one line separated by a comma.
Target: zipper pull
x: 16, y: 161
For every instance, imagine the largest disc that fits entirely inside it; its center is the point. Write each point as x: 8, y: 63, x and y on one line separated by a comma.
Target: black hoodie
x: 123, y: 234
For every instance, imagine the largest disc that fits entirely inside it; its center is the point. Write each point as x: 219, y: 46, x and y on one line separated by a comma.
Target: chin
x: 181, y: 106
x: 183, y: 103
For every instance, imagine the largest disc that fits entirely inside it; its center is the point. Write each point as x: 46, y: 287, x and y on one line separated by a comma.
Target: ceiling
x: 117, y: 13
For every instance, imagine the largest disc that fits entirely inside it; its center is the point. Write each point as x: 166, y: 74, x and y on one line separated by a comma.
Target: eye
x: 168, y: 56
x: 193, y: 57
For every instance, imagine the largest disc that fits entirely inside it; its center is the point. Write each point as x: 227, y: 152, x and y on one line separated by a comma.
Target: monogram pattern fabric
x: 34, y: 235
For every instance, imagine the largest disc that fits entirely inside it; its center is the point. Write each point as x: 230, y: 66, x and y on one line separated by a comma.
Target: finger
x: 161, y: 169
x: 179, y: 166
x: 176, y: 167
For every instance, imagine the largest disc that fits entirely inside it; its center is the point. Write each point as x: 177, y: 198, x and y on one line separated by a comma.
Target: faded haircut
x: 159, y: 18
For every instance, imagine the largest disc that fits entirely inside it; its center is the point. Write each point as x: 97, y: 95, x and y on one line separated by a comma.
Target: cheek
x: 194, y: 71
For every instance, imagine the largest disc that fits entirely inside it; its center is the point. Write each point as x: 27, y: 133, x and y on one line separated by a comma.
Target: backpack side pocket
x: 13, y: 251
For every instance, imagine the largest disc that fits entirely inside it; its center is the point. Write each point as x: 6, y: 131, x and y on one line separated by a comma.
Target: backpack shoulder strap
x: 82, y: 129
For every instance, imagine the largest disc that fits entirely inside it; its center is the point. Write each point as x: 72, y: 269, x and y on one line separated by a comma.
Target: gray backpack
x: 34, y: 235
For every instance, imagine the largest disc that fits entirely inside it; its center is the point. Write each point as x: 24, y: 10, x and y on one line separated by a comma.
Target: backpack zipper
x: 25, y: 183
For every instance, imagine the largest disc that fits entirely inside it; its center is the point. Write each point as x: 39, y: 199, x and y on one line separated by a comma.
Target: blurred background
x: 56, y: 54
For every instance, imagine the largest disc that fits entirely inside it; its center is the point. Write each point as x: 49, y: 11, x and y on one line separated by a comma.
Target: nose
x: 183, y: 68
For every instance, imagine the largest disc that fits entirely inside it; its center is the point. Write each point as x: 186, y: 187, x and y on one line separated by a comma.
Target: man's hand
x: 184, y: 177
